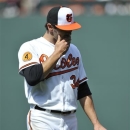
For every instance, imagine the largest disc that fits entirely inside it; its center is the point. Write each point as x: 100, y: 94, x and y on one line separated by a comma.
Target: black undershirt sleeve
x: 83, y: 90
x: 33, y: 74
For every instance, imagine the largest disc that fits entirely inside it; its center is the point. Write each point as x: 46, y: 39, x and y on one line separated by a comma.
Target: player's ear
x: 50, y: 27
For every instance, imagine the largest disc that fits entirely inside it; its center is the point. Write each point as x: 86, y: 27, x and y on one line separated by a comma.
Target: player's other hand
x: 98, y: 126
x: 61, y: 46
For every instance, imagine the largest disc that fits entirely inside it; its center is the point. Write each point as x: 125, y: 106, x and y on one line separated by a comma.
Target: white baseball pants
x: 42, y: 120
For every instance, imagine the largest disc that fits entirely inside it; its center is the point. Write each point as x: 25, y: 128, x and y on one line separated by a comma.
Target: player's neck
x: 49, y: 38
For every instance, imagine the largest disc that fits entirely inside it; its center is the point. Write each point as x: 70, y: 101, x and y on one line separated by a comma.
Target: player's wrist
x: 57, y: 54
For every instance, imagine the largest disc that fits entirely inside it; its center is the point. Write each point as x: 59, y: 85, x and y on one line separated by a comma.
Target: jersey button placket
x: 63, y: 92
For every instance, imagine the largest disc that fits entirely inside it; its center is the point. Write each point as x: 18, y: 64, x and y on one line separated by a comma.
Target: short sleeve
x: 27, y: 56
x: 82, y: 73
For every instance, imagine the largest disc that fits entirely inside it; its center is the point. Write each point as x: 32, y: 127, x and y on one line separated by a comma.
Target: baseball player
x: 54, y: 76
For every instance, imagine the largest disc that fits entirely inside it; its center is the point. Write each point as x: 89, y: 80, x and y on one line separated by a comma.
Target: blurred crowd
x: 21, y: 8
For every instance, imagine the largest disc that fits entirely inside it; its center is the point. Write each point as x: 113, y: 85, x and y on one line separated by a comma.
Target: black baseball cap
x: 62, y: 17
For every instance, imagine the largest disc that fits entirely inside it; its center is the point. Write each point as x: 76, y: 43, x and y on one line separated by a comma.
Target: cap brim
x: 73, y: 26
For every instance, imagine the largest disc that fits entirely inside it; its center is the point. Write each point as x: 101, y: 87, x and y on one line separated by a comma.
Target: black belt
x: 54, y: 111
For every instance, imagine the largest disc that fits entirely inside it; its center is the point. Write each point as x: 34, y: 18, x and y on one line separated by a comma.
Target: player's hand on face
x: 61, y: 45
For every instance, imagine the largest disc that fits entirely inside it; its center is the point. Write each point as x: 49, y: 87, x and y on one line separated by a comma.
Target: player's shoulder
x: 29, y: 43
x: 74, y: 47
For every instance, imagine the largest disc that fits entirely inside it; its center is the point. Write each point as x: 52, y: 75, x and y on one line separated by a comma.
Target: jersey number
x: 75, y: 83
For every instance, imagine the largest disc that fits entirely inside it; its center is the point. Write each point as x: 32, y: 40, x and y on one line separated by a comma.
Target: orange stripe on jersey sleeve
x: 82, y: 80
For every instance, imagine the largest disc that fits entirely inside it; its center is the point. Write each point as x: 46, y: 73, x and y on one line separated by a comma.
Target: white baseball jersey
x: 59, y: 90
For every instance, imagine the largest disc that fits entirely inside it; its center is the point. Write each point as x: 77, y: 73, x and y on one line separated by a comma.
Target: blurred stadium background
x: 104, y: 42
x: 15, y: 8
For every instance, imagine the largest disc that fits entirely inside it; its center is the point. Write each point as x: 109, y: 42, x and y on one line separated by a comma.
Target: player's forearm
x: 50, y: 63
x: 88, y: 106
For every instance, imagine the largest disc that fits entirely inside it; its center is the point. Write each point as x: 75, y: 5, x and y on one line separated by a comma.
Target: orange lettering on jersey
x: 43, y: 58
x: 69, y: 64
x: 63, y: 63
x: 70, y: 61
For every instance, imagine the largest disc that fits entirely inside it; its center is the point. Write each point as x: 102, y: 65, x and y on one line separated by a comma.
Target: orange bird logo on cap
x: 69, y: 17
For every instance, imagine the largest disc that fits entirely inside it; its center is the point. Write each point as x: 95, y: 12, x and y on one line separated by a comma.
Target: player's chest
x: 69, y: 60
